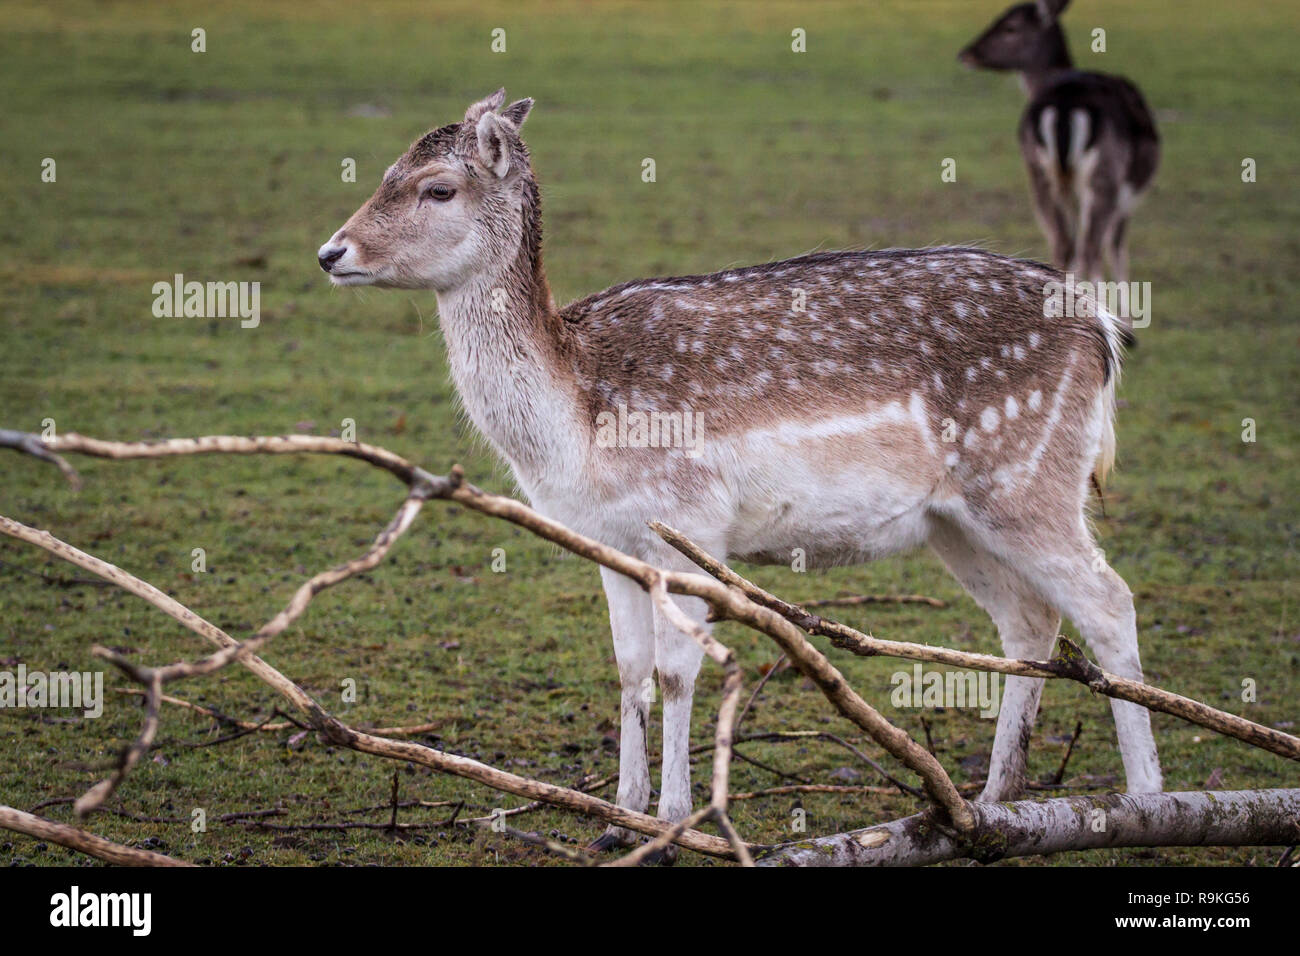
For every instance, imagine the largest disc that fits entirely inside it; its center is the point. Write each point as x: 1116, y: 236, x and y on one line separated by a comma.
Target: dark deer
x: 1088, y: 139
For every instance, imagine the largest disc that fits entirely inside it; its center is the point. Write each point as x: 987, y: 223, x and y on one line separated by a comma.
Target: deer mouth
x: 352, y: 277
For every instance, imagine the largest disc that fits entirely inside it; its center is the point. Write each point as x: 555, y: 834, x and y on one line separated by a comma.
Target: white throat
x: 503, y: 373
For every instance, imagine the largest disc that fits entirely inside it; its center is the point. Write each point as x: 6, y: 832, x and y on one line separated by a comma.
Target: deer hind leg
x: 1027, y: 626
x: 1099, y: 208
x: 1118, y: 249
x: 631, y: 619
x: 1072, y: 574
x: 1053, y: 216
x: 1117, y: 256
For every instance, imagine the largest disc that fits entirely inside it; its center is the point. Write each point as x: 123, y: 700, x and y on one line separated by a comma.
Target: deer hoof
x: 665, y: 857
x: 613, y: 838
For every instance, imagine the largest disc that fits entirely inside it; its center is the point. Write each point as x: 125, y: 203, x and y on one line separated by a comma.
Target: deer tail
x: 1115, y: 338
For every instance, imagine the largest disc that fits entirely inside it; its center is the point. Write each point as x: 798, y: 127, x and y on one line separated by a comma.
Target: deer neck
x: 506, y: 347
x: 1056, y: 64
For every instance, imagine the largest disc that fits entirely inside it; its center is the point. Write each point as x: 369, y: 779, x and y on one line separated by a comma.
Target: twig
x: 834, y: 738
x: 559, y: 849
x: 855, y: 599
x: 1074, y: 737
x: 33, y: 445
x: 929, y: 740
x: 393, y: 819
x: 811, y: 788
x: 772, y: 770
x: 758, y: 687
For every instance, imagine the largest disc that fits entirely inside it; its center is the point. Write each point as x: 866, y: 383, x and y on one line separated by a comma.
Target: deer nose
x: 327, y: 256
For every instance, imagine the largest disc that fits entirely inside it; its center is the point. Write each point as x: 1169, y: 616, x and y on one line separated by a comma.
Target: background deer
x: 849, y: 404
x: 1088, y: 140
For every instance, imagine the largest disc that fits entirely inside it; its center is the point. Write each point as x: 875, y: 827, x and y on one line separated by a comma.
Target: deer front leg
x: 631, y: 619
x: 677, y: 658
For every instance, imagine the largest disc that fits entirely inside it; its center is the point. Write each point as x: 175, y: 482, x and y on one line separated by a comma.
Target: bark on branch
x: 1024, y: 828
x: 75, y: 838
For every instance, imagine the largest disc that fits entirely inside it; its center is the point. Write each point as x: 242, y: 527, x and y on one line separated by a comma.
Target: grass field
x: 225, y: 165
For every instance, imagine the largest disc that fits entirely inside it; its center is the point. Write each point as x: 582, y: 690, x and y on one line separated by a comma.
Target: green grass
x: 226, y: 165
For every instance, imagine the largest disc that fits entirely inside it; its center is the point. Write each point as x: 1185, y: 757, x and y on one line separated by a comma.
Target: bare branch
x: 32, y: 445
x: 342, y: 735
x: 1026, y: 827
x: 74, y: 838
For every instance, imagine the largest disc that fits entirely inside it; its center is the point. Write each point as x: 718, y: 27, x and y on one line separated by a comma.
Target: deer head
x: 451, y: 208
x: 1027, y: 37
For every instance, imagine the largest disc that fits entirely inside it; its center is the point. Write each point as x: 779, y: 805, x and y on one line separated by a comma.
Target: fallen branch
x: 74, y: 838
x: 1024, y: 828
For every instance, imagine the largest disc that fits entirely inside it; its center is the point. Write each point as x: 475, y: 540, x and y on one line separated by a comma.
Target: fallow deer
x: 1088, y: 140
x: 850, y: 404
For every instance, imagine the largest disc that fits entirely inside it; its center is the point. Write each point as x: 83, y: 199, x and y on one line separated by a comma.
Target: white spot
x: 1035, y: 401
x: 989, y: 419
x: 1012, y: 407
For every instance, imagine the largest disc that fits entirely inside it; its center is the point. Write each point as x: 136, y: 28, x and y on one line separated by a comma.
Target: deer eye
x: 440, y: 191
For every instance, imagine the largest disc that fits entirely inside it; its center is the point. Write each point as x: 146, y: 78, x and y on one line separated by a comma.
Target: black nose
x: 329, y: 258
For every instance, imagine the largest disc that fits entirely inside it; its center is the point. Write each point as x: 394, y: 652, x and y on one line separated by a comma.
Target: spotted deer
x: 1088, y: 140
x: 848, y: 405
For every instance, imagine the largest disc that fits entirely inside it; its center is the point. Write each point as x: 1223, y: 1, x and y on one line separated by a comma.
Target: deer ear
x: 486, y: 105
x: 1051, y: 9
x: 518, y: 111
x: 494, y: 135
